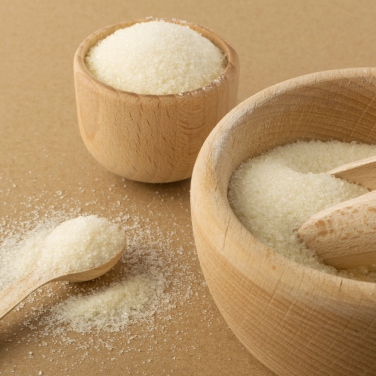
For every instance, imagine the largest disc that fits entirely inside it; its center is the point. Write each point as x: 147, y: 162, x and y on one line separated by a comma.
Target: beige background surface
x: 41, y: 153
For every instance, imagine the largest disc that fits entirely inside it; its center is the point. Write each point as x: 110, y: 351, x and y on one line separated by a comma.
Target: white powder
x: 81, y: 243
x: 17, y: 257
x: 159, y: 249
x: 156, y: 58
x: 275, y: 193
x: 138, y: 282
x: 77, y: 244
x: 111, y: 308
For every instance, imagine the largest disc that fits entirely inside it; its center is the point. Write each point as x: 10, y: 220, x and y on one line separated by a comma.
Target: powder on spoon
x: 156, y: 57
x: 80, y: 244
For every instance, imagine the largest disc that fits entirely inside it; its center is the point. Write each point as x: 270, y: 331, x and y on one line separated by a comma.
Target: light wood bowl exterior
x: 295, y: 320
x: 150, y: 138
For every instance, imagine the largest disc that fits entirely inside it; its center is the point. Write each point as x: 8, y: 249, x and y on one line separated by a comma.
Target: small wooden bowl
x: 295, y: 320
x: 150, y: 138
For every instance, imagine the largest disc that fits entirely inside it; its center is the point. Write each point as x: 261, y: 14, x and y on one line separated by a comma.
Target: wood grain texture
x: 150, y: 138
x: 361, y: 172
x: 344, y: 235
x: 18, y: 291
x: 295, y: 320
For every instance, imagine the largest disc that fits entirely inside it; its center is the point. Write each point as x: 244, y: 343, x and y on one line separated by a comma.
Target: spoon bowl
x: 89, y: 274
x: 344, y: 235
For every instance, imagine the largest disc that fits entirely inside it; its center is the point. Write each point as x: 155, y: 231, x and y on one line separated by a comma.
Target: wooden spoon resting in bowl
x: 344, y: 235
x: 362, y: 172
x: 18, y: 291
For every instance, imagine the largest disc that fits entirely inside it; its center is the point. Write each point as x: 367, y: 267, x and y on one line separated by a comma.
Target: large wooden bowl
x: 150, y: 138
x: 295, y: 320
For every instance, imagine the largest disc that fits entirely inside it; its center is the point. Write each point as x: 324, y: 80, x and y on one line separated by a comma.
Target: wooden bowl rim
x: 232, y: 58
x: 217, y: 204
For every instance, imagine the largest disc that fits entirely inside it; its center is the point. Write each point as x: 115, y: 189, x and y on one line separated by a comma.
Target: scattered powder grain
x: 156, y: 57
x: 275, y: 193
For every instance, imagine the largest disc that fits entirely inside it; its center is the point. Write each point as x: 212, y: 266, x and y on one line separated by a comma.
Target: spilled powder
x: 156, y: 57
x: 85, y: 242
x: 111, y: 308
x: 274, y: 194
x: 19, y: 254
x: 40, y: 335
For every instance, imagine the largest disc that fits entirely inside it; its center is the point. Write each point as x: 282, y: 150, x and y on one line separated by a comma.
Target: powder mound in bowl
x: 275, y: 193
x: 156, y: 57
x: 81, y: 243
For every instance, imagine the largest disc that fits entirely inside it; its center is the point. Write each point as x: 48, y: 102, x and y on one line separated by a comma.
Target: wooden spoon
x: 344, y: 235
x: 18, y: 291
x: 362, y: 172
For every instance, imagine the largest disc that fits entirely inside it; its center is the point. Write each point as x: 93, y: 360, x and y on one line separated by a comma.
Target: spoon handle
x: 11, y: 296
x: 362, y: 172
